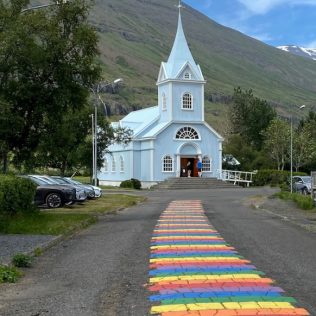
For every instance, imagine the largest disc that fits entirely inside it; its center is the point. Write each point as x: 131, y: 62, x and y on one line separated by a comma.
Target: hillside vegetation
x: 136, y: 35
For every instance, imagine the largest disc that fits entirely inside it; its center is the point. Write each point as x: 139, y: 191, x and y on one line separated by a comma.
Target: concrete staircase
x: 193, y: 183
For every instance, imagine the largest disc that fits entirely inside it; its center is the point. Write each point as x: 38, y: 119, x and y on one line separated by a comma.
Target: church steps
x: 193, y: 183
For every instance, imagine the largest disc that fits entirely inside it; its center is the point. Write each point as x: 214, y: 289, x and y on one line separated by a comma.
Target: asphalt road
x: 104, y: 269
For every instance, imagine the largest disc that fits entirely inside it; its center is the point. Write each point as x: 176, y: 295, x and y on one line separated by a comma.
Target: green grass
x: 68, y: 219
x: 302, y: 201
x: 105, y: 204
x: 9, y: 274
x: 45, y: 223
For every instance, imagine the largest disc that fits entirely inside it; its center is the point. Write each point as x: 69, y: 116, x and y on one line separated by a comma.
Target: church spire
x: 180, y: 53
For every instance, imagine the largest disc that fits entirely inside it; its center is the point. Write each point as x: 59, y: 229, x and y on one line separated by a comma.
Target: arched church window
x: 187, y: 101
x: 113, y: 165
x: 106, y: 165
x: 187, y: 132
x: 167, y: 164
x: 164, y: 102
x: 121, y: 164
x: 206, y: 164
x: 187, y: 76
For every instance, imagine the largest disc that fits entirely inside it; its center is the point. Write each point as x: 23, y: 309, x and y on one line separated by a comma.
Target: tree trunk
x: 4, y: 162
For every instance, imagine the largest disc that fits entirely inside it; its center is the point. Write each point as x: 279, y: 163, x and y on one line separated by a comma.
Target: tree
x: 304, y: 146
x: 47, y: 63
x: 277, y: 142
x: 250, y: 117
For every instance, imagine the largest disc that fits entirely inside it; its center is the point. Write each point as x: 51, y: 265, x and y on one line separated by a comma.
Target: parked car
x: 80, y: 192
x: 302, y: 184
x: 88, y: 189
x: 52, y: 196
x: 97, y: 190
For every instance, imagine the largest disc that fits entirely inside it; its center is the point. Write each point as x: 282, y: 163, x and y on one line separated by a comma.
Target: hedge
x: 132, y: 184
x: 273, y: 177
x: 16, y: 195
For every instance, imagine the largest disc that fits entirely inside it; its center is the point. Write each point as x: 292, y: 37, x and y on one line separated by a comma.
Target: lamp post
x: 291, y: 147
x: 97, y: 89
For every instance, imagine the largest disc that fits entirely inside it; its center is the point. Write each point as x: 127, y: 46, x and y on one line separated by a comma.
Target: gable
x: 162, y: 73
x: 187, y: 73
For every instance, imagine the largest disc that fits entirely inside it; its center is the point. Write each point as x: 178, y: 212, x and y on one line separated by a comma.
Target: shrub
x: 273, y: 177
x: 132, y: 184
x: 21, y: 260
x: 9, y: 274
x: 303, y: 202
x: 136, y: 184
x: 16, y: 195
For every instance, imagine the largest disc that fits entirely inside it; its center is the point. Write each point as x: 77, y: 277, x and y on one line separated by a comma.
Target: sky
x: 275, y: 22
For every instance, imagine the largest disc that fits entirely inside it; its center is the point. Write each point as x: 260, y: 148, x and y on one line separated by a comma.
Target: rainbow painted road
x: 193, y: 271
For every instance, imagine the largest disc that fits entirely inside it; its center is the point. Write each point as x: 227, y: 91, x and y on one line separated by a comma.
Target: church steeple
x: 181, y: 56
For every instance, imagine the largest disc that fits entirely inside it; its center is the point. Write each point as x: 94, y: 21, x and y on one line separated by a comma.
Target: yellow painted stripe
x: 204, y: 277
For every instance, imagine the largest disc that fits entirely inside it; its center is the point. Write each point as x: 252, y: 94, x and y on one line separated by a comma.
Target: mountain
x: 300, y: 51
x: 136, y: 35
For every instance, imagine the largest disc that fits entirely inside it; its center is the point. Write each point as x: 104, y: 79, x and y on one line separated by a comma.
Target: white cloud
x: 311, y: 44
x: 264, y: 6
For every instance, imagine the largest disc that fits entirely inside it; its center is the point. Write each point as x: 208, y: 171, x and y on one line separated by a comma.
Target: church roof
x: 139, y: 120
x: 180, y: 57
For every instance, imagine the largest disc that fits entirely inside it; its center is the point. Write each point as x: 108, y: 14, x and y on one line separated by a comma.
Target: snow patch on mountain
x: 300, y: 51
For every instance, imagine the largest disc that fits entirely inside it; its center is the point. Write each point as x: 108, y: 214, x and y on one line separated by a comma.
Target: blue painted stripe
x: 196, y: 270
x: 212, y: 294
x: 185, y: 255
x: 188, y: 242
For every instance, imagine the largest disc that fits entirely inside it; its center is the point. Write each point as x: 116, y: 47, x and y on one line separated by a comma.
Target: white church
x: 167, y: 136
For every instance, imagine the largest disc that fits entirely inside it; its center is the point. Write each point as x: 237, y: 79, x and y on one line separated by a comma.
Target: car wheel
x: 54, y: 200
x: 304, y: 191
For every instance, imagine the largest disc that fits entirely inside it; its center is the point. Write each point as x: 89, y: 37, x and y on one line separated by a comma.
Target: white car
x: 97, y: 190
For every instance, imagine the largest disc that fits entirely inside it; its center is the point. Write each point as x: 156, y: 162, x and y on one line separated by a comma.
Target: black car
x: 52, y: 195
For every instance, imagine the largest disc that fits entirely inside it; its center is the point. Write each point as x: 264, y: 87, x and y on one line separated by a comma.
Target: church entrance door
x: 188, y: 163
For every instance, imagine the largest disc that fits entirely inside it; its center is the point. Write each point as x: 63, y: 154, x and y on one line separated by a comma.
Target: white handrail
x: 237, y: 176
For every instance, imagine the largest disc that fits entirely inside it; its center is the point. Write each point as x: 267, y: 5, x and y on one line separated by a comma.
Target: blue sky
x: 275, y: 22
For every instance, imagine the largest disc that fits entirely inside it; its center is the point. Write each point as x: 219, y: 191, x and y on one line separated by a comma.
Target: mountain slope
x: 300, y: 51
x: 136, y: 35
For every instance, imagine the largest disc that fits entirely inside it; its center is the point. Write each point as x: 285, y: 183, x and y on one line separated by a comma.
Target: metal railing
x: 238, y: 177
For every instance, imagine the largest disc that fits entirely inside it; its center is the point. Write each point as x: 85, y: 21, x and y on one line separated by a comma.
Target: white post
x: 291, y: 154
x: 96, y: 145
x: 92, y: 123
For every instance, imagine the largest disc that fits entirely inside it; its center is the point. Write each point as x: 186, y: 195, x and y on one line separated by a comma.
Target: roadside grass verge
x: 302, y: 201
x: 45, y: 223
x: 107, y: 203
x: 66, y: 220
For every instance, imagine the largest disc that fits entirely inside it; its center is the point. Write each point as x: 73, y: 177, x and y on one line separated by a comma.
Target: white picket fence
x: 238, y: 177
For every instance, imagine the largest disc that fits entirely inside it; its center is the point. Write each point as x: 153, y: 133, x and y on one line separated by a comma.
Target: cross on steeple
x: 180, y: 6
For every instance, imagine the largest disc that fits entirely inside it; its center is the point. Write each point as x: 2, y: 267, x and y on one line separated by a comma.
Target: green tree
x: 277, y: 142
x: 304, y: 145
x: 47, y: 63
x: 250, y: 117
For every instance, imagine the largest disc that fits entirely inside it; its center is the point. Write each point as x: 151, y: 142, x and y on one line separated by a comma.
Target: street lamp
x: 291, y: 146
x: 97, y: 89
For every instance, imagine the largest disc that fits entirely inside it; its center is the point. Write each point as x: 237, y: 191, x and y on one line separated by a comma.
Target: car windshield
x: 307, y: 179
x: 37, y: 181
x: 60, y: 180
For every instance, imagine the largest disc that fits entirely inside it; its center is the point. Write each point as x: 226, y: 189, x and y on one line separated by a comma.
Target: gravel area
x: 12, y: 244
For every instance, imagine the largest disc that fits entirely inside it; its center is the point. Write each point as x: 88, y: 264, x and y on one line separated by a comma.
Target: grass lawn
x: 105, y: 204
x: 45, y: 223
x: 66, y: 220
